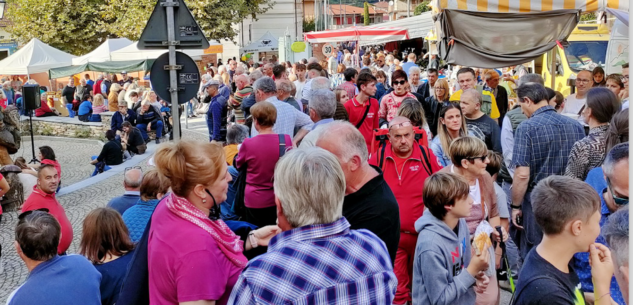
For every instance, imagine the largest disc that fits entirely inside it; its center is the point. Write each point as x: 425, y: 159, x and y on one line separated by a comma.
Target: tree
x: 366, y: 13
x: 69, y: 25
x: 422, y: 7
x: 309, y: 25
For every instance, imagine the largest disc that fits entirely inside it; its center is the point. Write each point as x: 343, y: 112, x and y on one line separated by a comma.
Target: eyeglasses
x: 482, y: 158
x: 619, y: 201
x: 403, y: 124
x: 402, y: 82
x: 580, y: 80
x: 133, y: 167
x: 27, y: 213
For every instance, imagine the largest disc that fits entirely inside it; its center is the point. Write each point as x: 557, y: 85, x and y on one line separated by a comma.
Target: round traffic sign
x: 188, y: 77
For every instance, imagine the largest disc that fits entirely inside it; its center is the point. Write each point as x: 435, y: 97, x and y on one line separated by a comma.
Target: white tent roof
x: 132, y: 52
x: 418, y: 27
x: 102, y: 52
x: 35, y: 57
x: 266, y: 43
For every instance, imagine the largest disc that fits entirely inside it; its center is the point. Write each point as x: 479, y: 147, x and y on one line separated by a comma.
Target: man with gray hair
x: 132, y: 178
x: 369, y: 203
x: 284, y: 93
x: 322, y: 109
x: 616, y: 234
x: 288, y: 118
x: 249, y: 101
x: 613, y: 197
x: 315, y: 233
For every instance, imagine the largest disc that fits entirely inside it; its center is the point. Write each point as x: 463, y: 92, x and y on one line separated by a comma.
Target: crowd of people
x: 358, y: 179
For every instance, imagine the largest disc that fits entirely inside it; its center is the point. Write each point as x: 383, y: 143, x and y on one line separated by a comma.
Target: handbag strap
x: 360, y: 123
x: 282, y: 145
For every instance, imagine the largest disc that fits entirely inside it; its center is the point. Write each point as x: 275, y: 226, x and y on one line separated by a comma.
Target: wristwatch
x: 515, y: 207
x: 252, y: 239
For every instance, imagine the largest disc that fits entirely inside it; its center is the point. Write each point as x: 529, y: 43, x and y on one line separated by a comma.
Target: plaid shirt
x: 319, y: 264
x: 288, y: 118
x: 543, y: 143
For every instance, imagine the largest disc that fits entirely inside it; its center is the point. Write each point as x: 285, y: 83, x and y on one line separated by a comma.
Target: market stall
x: 34, y: 57
x: 264, y: 47
x: 359, y: 34
x: 103, y: 52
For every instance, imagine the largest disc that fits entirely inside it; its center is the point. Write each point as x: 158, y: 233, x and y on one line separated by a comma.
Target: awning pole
x: 552, y: 69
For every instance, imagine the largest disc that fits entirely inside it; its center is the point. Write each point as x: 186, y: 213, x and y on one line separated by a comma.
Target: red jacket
x: 97, y: 87
x: 356, y: 111
x: 407, y: 183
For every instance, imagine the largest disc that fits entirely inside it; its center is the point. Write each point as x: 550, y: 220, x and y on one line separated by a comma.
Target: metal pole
x: 173, y: 78
x: 552, y: 68
x: 408, y: 8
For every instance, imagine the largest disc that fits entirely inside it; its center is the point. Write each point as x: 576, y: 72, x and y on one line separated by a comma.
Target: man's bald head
x: 241, y: 81
x: 132, y: 179
x: 398, y: 121
x: 343, y: 140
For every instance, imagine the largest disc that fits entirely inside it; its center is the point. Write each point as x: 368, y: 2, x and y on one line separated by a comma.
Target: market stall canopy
x: 418, y: 27
x: 621, y: 15
x: 34, y: 57
x: 360, y: 34
x: 501, y: 39
x: 132, y: 52
x: 527, y: 6
x: 266, y: 43
x: 108, y: 66
x: 102, y: 52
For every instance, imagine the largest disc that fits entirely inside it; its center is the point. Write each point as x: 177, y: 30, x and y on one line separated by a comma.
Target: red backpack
x: 379, y: 143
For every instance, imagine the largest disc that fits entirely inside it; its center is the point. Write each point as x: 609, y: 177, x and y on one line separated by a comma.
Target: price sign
x: 327, y: 49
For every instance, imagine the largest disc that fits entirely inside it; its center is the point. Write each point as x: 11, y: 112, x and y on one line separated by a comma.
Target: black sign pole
x: 173, y: 78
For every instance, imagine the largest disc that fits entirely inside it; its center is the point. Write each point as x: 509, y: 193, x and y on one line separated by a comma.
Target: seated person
x: 53, y: 279
x: 111, y: 154
x: 149, y: 119
x: 85, y: 108
x: 123, y: 115
x: 28, y: 180
x: 98, y: 107
x: 44, y: 109
x: 132, y: 140
x: 153, y: 187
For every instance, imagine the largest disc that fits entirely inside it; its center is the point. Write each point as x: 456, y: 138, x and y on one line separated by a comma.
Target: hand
x: 149, y: 127
x: 601, y: 265
x: 479, y: 262
x: 515, y: 213
x: 497, y: 238
x: 264, y: 234
x: 481, y: 282
x: 623, y: 94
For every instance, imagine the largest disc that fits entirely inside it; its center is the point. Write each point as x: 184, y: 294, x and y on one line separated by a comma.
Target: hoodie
x: 444, y: 257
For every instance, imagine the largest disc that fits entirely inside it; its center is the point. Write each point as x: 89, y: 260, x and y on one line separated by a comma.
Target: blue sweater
x: 112, y: 276
x: 85, y: 108
x: 69, y: 279
x: 118, y: 119
x: 122, y: 203
x: 137, y: 217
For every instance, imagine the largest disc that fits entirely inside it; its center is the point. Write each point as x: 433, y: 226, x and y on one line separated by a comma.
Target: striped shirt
x: 319, y: 264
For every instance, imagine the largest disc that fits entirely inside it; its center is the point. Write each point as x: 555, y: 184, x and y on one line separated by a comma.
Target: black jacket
x: 502, y: 102
x: 424, y: 90
x: 111, y: 153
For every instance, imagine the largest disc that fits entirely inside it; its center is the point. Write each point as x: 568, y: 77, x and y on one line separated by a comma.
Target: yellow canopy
x: 526, y: 6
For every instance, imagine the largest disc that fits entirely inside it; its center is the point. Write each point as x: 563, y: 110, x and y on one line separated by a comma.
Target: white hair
x: 616, y: 234
x: 310, y: 186
x: 320, y: 83
x: 205, y: 78
x: 323, y: 102
x: 352, y: 143
x: 415, y: 69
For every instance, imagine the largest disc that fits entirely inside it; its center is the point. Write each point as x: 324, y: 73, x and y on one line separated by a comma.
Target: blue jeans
x: 189, y: 108
x: 95, y: 118
x: 226, y: 208
x: 158, y: 126
x: 106, y: 168
x: 71, y: 113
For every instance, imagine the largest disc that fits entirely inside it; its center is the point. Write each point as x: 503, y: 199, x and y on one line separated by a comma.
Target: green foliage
x: 588, y: 17
x: 79, y: 26
x: 309, y: 25
x: 83, y: 132
x: 366, y: 13
x: 422, y: 7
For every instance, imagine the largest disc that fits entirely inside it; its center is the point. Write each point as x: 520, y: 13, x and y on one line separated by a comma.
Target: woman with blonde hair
x: 452, y: 125
x: 97, y: 108
x: 105, y: 243
x: 193, y: 256
x: 436, y: 101
x: 113, y: 97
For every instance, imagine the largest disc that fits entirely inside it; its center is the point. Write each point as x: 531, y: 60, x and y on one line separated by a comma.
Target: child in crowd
x: 568, y: 211
x: 443, y: 270
x: 493, y: 167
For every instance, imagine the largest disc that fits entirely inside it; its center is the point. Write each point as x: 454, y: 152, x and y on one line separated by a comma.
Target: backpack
x: 380, y: 136
x: 486, y: 103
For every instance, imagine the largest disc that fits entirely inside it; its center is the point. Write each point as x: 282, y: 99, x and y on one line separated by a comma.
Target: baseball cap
x: 123, y: 72
x: 212, y: 82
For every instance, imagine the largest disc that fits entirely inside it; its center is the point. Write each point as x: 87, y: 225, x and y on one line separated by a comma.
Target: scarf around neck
x: 229, y: 243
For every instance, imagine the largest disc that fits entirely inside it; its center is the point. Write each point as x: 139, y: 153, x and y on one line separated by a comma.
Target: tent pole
x: 552, y: 69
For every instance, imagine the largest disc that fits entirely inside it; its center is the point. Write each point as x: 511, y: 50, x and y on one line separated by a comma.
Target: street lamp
x: 3, y: 3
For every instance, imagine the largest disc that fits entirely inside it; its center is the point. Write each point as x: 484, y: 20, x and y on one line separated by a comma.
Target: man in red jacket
x: 363, y: 109
x: 405, y: 166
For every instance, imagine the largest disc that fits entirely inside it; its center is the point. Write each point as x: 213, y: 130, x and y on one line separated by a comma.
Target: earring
x: 204, y: 201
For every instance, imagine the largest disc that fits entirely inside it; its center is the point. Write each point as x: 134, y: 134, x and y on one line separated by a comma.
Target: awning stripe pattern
x: 358, y: 34
x: 527, y: 6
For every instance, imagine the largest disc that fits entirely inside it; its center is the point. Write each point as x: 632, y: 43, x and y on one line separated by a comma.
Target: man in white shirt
x: 575, y: 102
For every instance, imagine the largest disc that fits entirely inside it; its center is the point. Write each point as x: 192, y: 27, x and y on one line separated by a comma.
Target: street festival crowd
x: 360, y: 179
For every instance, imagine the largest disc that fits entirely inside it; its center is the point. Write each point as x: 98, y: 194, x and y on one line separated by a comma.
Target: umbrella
x: 358, y: 34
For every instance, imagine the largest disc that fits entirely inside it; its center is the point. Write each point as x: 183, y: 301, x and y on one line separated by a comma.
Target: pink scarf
x: 229, y: 243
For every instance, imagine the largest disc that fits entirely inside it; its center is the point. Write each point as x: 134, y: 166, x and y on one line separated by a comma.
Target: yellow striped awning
x: 526, y: 6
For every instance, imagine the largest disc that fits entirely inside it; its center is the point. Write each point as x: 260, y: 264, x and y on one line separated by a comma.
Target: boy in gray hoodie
x: 443, y: 270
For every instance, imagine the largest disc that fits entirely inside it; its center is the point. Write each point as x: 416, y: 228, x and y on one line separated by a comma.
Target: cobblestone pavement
x: 73, y: 156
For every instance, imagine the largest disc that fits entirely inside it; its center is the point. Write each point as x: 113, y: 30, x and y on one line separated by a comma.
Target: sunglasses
x: 133, y: 167
x: 403, y: 124
x: 619, y: 201
x: 402, y: 82
x: 482, y: 158
x: 27, y: 213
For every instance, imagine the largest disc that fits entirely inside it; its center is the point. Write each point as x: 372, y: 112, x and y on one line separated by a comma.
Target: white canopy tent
x: 266, y: 43
x: 132, y: 52
x: 418, y: 26
x: 103, y: 52
x: 34, y: 57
